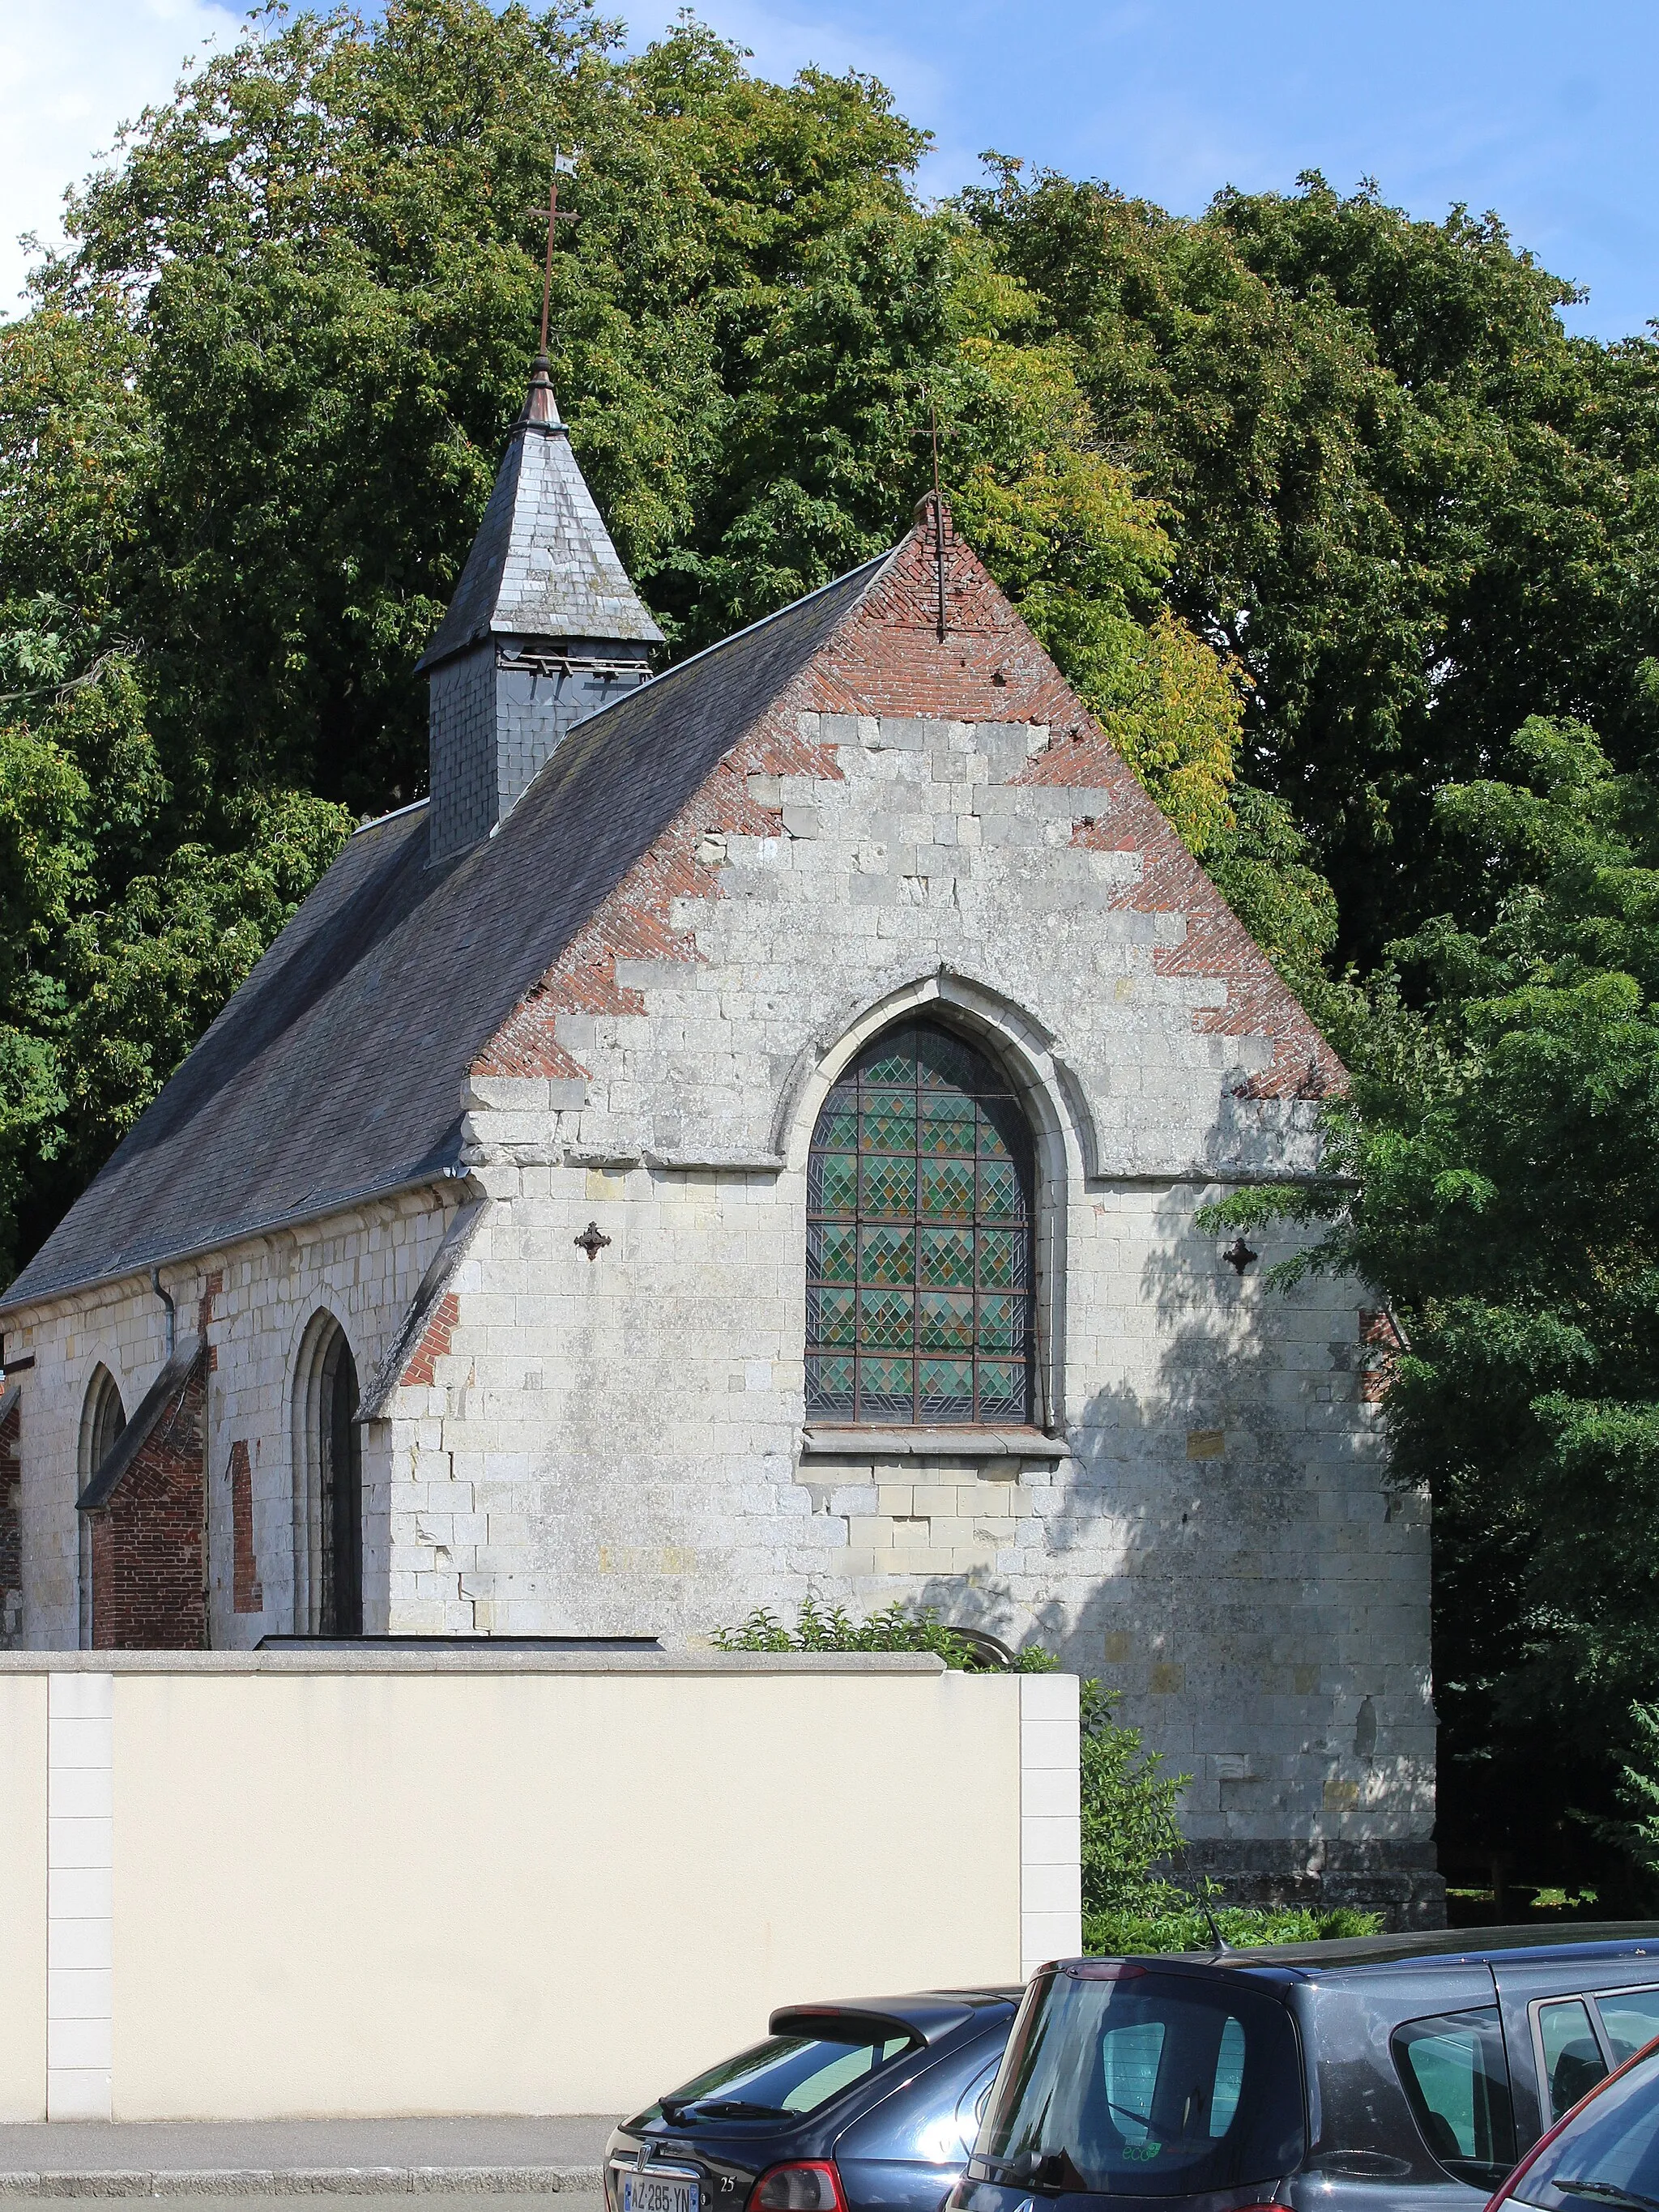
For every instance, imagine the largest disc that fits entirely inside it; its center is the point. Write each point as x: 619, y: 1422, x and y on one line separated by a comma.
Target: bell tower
x: 544, y: 631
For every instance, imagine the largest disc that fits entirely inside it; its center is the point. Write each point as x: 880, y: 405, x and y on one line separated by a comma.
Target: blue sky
x: 1545, y: 113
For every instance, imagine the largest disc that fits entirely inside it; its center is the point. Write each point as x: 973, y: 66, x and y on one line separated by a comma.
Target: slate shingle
x: 335, y: 1074
x: 542, y: 564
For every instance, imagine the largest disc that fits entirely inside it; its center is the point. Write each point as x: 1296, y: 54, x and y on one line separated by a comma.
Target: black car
x: 1605, y: 2153
x: 862, y: 2107
x: 1391, y: 2074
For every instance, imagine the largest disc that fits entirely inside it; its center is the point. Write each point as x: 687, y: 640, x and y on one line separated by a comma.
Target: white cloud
x: 72, y: 72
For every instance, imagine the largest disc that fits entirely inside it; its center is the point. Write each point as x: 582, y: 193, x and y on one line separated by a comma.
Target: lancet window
x: 921, y: 1267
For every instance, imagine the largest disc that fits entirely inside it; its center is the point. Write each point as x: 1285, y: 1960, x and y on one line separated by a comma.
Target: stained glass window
x: 920, y: 1266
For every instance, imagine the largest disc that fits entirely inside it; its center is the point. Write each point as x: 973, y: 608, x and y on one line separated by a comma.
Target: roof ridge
x: 391, y: 814
x: 876, y: 561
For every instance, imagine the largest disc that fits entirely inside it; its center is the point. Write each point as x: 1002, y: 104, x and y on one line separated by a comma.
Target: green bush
x: 1128, y: 1812
x: 831, y: 1628
x: 1168, y: 1919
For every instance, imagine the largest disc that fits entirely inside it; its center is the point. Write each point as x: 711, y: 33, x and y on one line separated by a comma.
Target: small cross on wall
x: 1239, y: 1255
x: 592, y: 1241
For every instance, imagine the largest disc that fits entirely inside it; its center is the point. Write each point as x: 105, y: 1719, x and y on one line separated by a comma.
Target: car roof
x: 930, y: 2013
x: 1565, y: 1940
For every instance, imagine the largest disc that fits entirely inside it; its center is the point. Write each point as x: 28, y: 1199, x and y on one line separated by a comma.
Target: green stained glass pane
x: 999, y: 1192
x: 830, y: 1384
x: 886, y: 1321
x: 832, y: 1253
x: 885, y: 1386
x: 999, y: 1129
x: 947, y: 1258
x: 998, y: 1259
x: 1002, y: 1390
x: 888, y: 1124
x: 946, y: 1190
x: 887, y: 1256
x: 946, y: 1125
x: 830, y: 1317
x: 946, y: 1388
x: 890, y: 1185
x: 833, y: 1185
x: 944, y: 1321
x: 893, y: 1063
x: 946, y: 1064
x: 1001, y: 1324
x: 838, y: 1124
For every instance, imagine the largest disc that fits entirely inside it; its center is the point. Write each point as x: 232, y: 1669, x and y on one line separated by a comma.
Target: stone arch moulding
x: 1061, y: 1128
x: 1055, y: 1099
x: 322, y: 1340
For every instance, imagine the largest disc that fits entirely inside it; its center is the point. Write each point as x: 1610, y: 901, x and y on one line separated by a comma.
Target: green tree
x: 248, y: 430
x: 1410, y: 506
x: 1501, y: 1158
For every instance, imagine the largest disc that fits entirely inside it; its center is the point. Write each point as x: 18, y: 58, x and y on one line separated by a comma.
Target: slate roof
x: 542, y: 564
x: 335, y: 1074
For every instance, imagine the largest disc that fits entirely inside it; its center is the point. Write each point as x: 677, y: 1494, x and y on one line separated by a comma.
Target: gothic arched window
x: 921, y: 1273
x: 102, y: 1420
x: 328, y: 1516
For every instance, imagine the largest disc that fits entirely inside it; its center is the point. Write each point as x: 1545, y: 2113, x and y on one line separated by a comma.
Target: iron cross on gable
x: 931, y: 433
x: 564, y: 165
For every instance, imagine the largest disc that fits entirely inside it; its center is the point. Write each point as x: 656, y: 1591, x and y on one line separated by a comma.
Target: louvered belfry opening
x: 921, y: 1284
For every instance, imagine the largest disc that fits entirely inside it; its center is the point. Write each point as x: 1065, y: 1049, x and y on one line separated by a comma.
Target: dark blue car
x: 862, y: 2107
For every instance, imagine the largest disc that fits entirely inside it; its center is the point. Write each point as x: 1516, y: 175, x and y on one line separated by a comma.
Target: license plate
x: 659, y: 2192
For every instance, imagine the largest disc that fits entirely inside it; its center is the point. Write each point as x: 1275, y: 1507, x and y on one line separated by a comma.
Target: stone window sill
x: 822, y: 1441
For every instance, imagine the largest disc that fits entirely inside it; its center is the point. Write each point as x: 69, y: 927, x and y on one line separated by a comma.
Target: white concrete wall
x: 400, y: 1883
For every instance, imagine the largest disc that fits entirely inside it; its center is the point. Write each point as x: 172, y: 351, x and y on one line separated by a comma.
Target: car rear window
x: 1609, y: 2155
x: 1630, y: 2018
x: 1146, y: 2084
x: 788, y: 2075
x: 1456, y: 2078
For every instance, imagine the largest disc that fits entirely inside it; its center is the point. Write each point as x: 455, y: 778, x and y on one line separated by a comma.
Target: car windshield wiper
x: 1605, y: 2192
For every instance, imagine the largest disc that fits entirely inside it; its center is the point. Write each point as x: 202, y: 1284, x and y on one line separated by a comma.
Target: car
x: 1605, y: 2152
x: 1387, y: 2073
x: 867, y: 2105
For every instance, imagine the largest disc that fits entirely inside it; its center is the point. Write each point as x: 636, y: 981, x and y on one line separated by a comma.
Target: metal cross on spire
x: 564, y: 165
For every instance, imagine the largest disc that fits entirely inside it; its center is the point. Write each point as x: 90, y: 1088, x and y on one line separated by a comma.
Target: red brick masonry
x: 147, y: 1591
x: 887, y: 657
x: 246, y: 1594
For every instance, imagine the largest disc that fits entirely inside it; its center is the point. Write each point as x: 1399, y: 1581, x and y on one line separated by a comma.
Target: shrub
x: 1168, y: 1919
x: 831, y: 1628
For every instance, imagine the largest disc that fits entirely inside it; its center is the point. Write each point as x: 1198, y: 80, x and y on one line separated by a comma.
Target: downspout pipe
x: 173, y: 1315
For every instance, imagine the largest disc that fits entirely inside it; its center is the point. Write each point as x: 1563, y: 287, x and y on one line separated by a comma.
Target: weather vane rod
x: 564, y: 165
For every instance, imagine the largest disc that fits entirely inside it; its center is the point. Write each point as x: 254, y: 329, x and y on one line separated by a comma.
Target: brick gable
x: 886, y: 658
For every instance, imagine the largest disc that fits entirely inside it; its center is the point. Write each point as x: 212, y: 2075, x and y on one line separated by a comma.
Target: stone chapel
x: 740, y: 1137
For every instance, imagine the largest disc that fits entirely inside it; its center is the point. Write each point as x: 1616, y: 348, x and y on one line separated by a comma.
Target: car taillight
x: 807, y: 2185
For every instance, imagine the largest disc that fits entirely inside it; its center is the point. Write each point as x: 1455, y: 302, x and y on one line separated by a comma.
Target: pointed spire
x: 544, y: 631
x: 543, y: 565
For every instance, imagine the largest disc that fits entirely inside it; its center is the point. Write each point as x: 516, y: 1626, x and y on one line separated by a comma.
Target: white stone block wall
x: 364, y: 1267
x: 617, y: 1444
